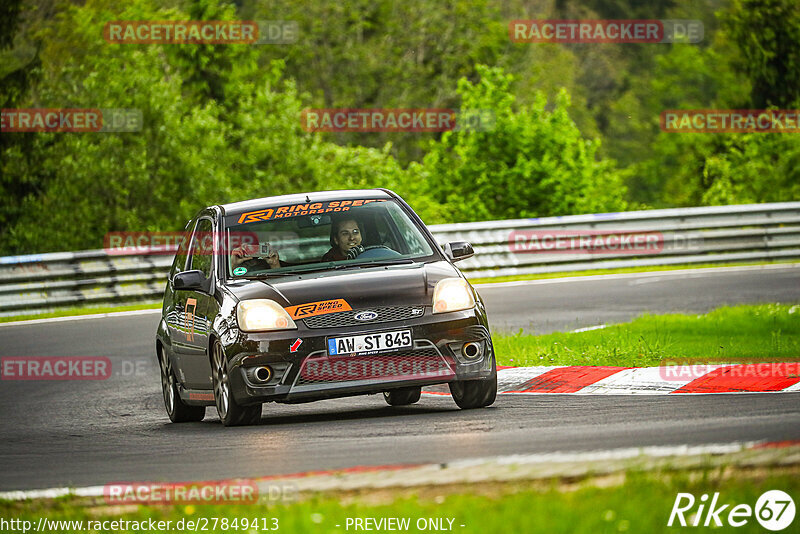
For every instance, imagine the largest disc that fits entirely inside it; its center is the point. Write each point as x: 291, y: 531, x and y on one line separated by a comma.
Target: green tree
x: 753, y: 168
x: 388, y: 54
x: 767, y: 33
x: 665, y: 169
x: 19, y: 68
x: 193, y: 149
x: 534, y: 162
x: 727, y: 168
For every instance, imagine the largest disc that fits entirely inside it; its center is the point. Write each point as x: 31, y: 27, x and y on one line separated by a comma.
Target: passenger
x: 346, y: 236
x: 245, y: 256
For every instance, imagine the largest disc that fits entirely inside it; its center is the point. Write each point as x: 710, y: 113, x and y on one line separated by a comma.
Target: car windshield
x: 322, y: 235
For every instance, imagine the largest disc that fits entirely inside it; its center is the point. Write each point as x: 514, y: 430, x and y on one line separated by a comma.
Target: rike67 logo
x: 774, y: 510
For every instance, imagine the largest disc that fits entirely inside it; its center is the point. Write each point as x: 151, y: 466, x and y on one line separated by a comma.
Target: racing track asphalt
x: 79, y: 433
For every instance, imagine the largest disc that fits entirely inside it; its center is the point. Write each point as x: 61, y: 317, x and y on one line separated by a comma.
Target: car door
x: 174, y: 310
x: 196, y: 311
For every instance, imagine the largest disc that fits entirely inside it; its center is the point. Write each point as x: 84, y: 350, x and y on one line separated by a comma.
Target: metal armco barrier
x: 717, y: 234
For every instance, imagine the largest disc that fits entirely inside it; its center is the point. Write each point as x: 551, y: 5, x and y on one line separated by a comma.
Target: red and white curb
x: 677, y: 379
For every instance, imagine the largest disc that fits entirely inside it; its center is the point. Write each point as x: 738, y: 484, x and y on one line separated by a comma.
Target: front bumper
x: 309, y: 374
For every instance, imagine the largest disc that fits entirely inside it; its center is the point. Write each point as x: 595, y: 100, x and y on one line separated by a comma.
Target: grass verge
x: 636, y: 502
x: 769, y: 331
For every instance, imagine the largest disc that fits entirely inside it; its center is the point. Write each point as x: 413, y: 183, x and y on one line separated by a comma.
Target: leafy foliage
x: 221, y: 122
x: 768, y: 33
x: 534, y: 162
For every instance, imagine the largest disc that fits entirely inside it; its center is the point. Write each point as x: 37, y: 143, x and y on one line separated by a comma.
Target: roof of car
x: 236, y: 208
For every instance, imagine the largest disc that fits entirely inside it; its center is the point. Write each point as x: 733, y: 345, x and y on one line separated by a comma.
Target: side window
x: 179, y: 263
x: 202, y: 247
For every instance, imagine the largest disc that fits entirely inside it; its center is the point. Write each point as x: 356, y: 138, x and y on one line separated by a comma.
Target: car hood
x: 392, y: 285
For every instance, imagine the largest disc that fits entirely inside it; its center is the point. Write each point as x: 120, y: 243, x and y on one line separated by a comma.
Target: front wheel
x: 229, y: 411
x: 177, y: 410
x: 470, y: 394
x: 402, y: 397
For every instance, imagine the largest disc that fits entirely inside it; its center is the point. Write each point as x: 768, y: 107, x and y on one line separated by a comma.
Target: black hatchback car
x: 305, y: 297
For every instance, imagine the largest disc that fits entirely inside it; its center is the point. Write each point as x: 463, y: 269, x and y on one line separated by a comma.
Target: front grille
x: 347, y: 318
x: 417, y: 364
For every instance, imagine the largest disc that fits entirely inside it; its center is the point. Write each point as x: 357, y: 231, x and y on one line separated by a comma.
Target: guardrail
x: 717, y: 234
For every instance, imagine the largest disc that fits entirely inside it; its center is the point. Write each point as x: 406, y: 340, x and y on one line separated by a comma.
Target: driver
x: 346, y: 236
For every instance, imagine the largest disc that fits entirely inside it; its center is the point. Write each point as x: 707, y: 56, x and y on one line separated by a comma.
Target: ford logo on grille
x: 365, y: 316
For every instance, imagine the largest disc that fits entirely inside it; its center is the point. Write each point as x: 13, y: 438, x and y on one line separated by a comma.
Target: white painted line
x: 622, y: 276
x: 640, y: 281
x: 52, y: 493
x: 611, y: 454
x: 81, y: 317
x: 589, y: 328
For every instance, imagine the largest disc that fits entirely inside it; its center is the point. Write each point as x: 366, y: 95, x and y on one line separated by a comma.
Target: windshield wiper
x: 380, y: 263
x: 325, y: 267
x: 258, y: 276
x: 329, y: 267
x: 358, y: 265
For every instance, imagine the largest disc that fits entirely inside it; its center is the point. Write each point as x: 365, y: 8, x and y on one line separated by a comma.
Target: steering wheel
x: 375, y: 252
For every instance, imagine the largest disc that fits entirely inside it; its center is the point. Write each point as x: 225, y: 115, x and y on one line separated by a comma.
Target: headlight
x: 452, y: 294
x: 261, y: 315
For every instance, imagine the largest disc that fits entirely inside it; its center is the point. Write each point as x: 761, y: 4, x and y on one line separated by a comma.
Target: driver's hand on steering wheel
x: 354, y: 252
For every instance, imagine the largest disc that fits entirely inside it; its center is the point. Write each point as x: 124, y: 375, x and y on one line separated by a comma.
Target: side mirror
x: 189, y: 280
x: 458, y: 250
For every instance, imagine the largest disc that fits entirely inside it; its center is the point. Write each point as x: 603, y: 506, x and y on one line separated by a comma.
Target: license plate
x: 369, y: 343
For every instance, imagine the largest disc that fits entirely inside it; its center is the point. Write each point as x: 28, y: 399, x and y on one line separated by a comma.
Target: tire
x: 229, y: 411
x: 402, y: 397
x: 470, y: 394
x: 177, y: 410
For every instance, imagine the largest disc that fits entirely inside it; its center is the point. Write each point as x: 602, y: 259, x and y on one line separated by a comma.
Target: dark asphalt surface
x: 544, y: 306
x: 79, y: 433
